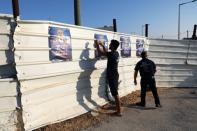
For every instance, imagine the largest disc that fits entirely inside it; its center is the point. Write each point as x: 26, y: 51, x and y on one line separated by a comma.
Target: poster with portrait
x: 139, y: 46
x: 125, y: 46
x: 60, y: 44
x: 100, y: 40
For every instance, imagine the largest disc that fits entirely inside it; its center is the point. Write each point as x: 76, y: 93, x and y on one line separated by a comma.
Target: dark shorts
x: 113, y: 84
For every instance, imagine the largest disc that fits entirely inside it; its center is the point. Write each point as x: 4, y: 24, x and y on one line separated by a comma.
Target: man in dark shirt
x: 112, y: 72
x: 147, y: 69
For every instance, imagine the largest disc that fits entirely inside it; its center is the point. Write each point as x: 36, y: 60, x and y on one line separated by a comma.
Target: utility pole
x: 187, y: 34
x: 146, y: 30
x: 77, y: 12
x: 114, y: 25
x: 179, y: 13
x: 194, y: 33
x: 15, y: 9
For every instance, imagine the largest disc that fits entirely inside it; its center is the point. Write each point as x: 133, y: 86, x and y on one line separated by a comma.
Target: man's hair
x: 144, y: 54
x: 115, y: 44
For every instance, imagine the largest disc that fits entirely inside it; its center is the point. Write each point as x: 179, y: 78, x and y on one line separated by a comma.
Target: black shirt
x: 112, y: 63
x: 146, y: 67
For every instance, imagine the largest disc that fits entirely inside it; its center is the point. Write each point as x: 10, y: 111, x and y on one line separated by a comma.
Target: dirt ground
x: 92, y: 118
x: 178, y: 113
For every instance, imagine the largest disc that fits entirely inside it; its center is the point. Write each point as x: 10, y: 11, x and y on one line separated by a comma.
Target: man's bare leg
x: 118, y: 108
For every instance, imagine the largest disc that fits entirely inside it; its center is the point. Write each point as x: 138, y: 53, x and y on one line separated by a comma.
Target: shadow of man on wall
x: 84, y: 85
x: 103, y: 90
x: 8, y: 70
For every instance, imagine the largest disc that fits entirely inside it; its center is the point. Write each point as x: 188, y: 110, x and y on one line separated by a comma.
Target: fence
x: 176, y: 61
x: 8, y: 84
x: 67, y: 88
x: 52, y: 71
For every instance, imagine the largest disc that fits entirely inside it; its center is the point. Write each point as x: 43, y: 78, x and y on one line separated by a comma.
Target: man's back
x: 146, y: 67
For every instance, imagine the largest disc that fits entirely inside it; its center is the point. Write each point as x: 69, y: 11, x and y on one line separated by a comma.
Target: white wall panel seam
x: 48, y: 62
x: 5, y: 33
x: 121, y: 73
x: 168, y: 46
x: 161, y: 57
x: 4, y: 48
x: 50, y: 75
x: 167, y: 51
x: 73, y: 84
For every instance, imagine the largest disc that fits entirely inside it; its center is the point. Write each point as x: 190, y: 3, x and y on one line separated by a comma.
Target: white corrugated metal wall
x: 8, y: 84
x: 55, y: 91
x: 176, y: 61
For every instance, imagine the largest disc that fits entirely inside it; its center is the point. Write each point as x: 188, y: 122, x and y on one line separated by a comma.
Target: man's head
x: 114, y: 45
x: 144, y: 54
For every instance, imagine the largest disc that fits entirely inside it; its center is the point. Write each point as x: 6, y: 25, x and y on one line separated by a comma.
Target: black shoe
x: 158, y: 105
x: 140, y: 104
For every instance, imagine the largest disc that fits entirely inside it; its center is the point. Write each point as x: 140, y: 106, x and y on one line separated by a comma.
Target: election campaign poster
x: 125, y: 46
x: 99, y: 42
x: 60, y: 44
x: 139, y: 46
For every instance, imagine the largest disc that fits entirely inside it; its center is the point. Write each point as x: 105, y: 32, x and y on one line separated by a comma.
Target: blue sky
x: 162, y: 15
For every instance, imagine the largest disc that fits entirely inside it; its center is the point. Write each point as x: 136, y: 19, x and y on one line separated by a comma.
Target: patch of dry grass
x: 88, y: 119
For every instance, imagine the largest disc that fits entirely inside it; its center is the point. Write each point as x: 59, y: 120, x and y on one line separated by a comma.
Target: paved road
x: 179, y: 113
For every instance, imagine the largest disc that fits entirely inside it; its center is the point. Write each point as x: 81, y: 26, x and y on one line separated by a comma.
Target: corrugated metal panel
x: 7, y: 104
x: 173, y: 48
x: 33, y: 84
x: 184, y: 84
x: 8, y: 85
x: 79, y: 85
x: 6, y: 41
x: 5, y: 25
x: 44, y: 70
x: 6, y: 46
x: 93, y: 85
x: 8, y: 128
x: 28, y: 46
x: 176, y: 62
x: 8, y: 115
x: 68, y: 88
x: 169, y: 43
x: 6, y: 57
x: 8, y: 118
